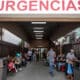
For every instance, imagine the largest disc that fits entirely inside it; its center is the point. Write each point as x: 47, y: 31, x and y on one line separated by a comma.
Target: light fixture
x: 38, y: 28
x: 36, y: 31
x: 39, y: 35
x: 38, y: 22
x: 39, y: 38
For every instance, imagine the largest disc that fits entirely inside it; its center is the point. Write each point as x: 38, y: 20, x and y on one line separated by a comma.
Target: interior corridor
x: 21, y: 42
x: 37, y: 71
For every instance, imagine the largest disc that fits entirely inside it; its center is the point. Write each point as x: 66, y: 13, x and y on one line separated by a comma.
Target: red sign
x: 40, y: 6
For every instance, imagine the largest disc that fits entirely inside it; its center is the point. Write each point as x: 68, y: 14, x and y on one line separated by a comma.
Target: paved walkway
x: 36, y: 72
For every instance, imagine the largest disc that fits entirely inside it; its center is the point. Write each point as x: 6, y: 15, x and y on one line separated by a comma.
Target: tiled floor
x: 36, y: 71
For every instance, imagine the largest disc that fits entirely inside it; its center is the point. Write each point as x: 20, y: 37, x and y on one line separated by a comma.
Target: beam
x: 12, y: 19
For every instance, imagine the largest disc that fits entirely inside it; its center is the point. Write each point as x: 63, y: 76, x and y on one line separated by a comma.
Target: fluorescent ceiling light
x: 38, y: 22
x: 39, y: 35
x: 38, y: 28
x: 38, y: 31
x: 39, y: 38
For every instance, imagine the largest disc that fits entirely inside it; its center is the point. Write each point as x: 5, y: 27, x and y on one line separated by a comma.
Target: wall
x: 63, y: 29
x: 39, y: 43
x: 7, y: 48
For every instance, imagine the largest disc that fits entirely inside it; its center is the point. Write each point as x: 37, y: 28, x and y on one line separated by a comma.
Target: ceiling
x: 48, y: 29
x: 52, y: 30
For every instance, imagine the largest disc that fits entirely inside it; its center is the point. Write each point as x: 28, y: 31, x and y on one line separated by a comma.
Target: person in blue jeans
x: 51, y: 58
x: 60, y: 61
x: 51, y: 67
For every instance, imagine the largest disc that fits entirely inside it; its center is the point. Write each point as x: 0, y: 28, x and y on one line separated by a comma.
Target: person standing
x: 34, y: 55
x: 44, y: 55
x: 30, y: 55
x: 37, y: 56
x: 18, y: 61
x: 60, y: 61
x: 51, y: 58
x: 70, y: 58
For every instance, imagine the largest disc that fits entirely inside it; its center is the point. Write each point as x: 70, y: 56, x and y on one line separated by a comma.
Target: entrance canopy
x: 40, y: 10
x: 39, y: 17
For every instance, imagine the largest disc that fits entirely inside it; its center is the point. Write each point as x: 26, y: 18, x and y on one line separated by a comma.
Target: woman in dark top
x: 61, y: 61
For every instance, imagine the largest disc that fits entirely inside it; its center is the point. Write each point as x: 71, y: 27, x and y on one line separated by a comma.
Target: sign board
x: 39, y: 6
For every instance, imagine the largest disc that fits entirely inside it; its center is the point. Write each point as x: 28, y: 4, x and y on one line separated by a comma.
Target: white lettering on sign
x: 39, y: 6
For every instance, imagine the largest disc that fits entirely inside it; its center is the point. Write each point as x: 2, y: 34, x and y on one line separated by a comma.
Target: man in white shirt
x: 51, y: 58
x: 70, y: 58
x: 29, y: 53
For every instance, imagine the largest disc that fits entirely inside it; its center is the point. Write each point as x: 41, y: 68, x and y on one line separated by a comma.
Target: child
x: 11, y: 66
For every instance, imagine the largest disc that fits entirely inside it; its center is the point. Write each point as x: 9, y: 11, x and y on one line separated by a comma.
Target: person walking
x: 51, y: 58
